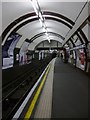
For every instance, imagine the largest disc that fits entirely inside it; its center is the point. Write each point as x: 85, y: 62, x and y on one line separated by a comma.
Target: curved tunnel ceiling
x: 51, y: 15
x: 53, y: 26
x: 52, y: 44
x: 43, y: 33
x: 17, y: 24
x: 41, y: 39
x: 47, y: 18
x: 35, y: 19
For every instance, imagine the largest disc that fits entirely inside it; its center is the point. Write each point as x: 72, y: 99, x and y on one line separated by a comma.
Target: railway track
x: 15, y: 92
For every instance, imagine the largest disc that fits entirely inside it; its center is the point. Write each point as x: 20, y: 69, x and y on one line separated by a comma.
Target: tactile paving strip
x: 44, y: 107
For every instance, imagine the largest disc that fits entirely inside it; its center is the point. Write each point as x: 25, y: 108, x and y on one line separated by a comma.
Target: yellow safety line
x: 32, y: 105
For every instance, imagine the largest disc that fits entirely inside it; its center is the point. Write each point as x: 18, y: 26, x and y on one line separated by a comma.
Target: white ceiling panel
x: 40, y: 39
x: 57, y: 27
x: 68, y: 9
x: 13, y: 10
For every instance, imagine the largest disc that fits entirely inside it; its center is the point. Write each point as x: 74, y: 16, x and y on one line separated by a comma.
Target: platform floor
x: 44, y: 107
x: 65, y: 93
x: 70, y: 92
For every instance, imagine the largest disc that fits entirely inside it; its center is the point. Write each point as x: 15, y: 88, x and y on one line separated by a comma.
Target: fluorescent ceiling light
x: 48, y: 39
x: 40, y: 15
x: 41, y: 23
x: 41, y: 18
x: 44, y: 29
x: 46, y: 33
x: 34, y: 4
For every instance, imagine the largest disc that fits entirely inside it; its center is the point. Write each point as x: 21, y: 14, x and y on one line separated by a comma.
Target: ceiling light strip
x: 38, y: 12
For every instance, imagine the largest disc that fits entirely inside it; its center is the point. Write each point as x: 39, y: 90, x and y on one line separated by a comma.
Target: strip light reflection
x: 38, y: 12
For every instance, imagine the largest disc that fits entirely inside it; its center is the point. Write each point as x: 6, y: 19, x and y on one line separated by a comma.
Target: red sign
x: 82, y: 57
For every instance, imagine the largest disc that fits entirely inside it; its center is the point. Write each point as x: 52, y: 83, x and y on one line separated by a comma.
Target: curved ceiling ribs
x: 44, y: 41
x: 43, y: 33
x: 59, y: 16
x: 20, y: 19
x: 48, y: 15
x: 34, y: 19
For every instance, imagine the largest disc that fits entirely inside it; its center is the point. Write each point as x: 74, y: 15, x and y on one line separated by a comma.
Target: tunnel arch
x: 39, y: 40
x: 20, y: 19
x: 32, y: 14
x: 49, y: 15
x: 43, y: 33
x: 44, y: 41
x: 34, y: 19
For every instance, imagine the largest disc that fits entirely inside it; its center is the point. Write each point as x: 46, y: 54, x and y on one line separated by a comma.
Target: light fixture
x: 38, y: 12
x: 35, y: 6
x: 46, y: 33
x: 48, y: 39
x: 41, y: 23
x: 40, y: 16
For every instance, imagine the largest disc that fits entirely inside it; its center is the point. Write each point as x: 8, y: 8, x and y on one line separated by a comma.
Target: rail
x: 11, y: 101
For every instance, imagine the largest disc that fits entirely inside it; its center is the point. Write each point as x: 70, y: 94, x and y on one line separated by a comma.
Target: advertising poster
x: 7, y: 50
x: 80, y: 62
x: 23, y: 53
